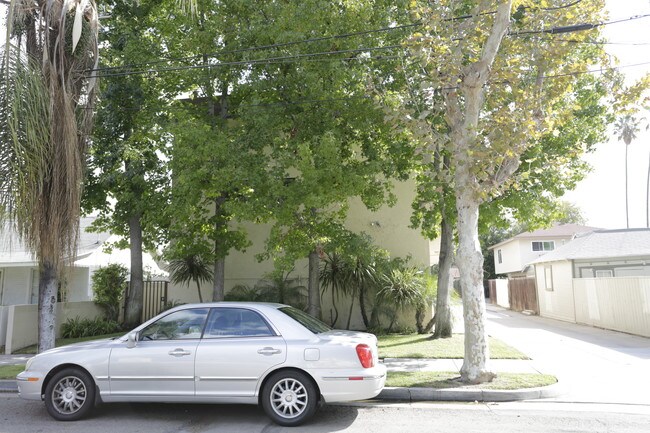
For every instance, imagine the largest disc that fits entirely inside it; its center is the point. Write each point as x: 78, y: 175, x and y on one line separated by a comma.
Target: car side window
x: 179, y: 325
x: 236, y: 322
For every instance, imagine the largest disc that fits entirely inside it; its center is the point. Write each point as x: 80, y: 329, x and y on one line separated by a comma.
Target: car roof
x: 262, y: 305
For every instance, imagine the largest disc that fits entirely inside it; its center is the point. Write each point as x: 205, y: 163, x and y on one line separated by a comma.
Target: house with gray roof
x: 513, y: 255
x: 19, y: 280
x: 600, y: 278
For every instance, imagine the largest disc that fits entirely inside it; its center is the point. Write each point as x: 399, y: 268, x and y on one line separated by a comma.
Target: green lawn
x: 10, y: 371
x: 448, y: 379
x: 422, y: 346
x: 31, y: 350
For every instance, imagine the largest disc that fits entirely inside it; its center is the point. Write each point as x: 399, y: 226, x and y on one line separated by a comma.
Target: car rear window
x: 309, y: 322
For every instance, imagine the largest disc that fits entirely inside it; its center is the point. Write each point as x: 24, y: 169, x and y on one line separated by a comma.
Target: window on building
x: 543, y: 245
x: 499, y: 257
x: 548, y: 278
x: 606, y: 273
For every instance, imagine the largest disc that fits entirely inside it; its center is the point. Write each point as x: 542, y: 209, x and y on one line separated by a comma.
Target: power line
x: 270, y: 46
x: 555, y: 30
x: 576, y: 41
x: 350, y: 98
x: 577, y: 27
x: 310, y: 40
x: 271, y: 60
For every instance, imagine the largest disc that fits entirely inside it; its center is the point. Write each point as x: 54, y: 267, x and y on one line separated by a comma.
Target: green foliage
x: 77, y: 327
x: 109, y: 284
x: 190, y: 268
x: 276, y: 287
x: 352, y: 269
x: 402, y: 287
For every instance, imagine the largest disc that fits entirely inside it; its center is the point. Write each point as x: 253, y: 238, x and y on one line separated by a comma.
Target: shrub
x: 77, y: 327
x: 109, y: 283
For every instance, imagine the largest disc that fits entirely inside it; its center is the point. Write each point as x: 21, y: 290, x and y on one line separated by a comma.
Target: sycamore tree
x: 46, y: 107
x: 501, y: 82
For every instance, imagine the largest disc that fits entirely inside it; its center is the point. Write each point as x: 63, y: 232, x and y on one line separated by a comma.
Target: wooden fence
x: 523, y: 294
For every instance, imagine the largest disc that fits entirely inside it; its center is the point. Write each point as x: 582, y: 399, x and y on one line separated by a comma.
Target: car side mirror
x: 131, y: 340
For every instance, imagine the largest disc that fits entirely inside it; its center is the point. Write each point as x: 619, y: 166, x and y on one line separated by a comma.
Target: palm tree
x: 626, y: 128
x: 46, y: 107
x: 190, y: 268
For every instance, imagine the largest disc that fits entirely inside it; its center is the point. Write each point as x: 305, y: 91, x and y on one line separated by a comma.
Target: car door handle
x: 180, y: 352
x: 269, y: 351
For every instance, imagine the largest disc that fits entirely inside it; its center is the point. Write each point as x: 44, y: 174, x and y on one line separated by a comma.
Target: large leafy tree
x: 498, y: 95
x: 128, y: 180
x: 271, y: 134
x: 45, y: 115
x: 329, y: 142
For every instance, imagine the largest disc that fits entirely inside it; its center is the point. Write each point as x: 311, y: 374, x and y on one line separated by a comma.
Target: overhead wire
x: 98, y: 72
x: 310, y: 40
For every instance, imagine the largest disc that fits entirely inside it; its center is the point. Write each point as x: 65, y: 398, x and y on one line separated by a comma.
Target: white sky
x: 601, y: 196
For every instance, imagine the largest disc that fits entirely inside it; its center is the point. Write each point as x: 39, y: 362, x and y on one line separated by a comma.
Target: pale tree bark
x: 462, y: 115
x: 647, y: 199
x: 313, y: 287
x: 442, y: 322
x: 47, y: 291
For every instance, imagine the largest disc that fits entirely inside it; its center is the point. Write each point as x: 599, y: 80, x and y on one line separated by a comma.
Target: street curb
x: 7, y: 386
x: 428, y: 394
x: 482, y: 395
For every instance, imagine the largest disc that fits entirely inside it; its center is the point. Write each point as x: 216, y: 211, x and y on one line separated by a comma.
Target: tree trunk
x: 313, y: 289
x: 133, y: 313
x: 198, y: 289
x: 647, y: 199
x: 627, y: 214
x: 218, y: 289
x: 443, y: 326
x: 462, y: 116
x: 219, y: 285
x: 475, y: 364
x: 362, y: 306
x: 47, y: 290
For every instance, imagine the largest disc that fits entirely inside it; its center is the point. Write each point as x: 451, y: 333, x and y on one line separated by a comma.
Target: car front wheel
x: 70, y: 395
x: 289, y: 398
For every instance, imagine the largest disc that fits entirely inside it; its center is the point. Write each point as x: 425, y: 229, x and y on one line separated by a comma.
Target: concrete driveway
x: 595, y: 365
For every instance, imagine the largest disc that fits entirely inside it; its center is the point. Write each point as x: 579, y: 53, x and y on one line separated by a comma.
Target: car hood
x: 81, y: 346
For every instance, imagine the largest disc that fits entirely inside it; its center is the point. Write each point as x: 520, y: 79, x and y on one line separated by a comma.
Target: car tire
x: 70, y: 395
x: 289, y: 398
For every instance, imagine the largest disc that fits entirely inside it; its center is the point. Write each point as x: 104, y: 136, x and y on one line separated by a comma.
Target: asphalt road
x: 19, y: 416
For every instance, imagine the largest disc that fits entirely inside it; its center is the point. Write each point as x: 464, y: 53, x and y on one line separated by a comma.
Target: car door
x: 238, y: 347
x: 162, y: 362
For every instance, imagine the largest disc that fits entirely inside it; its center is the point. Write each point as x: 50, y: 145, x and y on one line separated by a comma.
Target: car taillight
x: 365, y: 355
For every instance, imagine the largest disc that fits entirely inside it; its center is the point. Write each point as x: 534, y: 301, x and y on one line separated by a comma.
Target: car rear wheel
x: 70, y: 395
x: 289, y: 398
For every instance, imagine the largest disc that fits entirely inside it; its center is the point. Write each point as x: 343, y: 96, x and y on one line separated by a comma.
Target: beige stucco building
x: 389, y: 228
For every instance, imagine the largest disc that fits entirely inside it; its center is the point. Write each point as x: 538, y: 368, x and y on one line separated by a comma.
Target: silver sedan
x: 268, y: 354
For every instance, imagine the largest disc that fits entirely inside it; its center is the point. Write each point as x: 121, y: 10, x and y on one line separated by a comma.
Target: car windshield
x: 309, y: 322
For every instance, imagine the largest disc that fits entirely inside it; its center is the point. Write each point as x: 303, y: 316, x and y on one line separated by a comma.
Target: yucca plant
x: 402, y: 287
